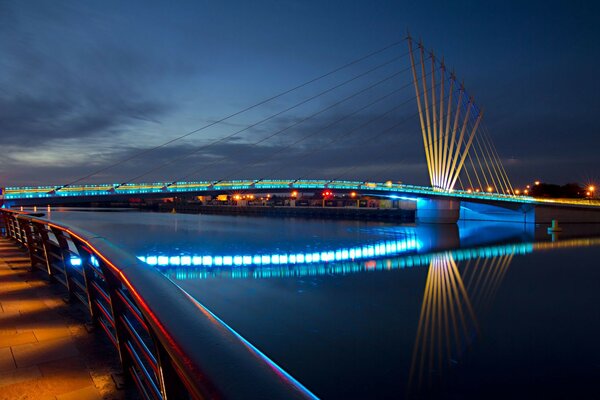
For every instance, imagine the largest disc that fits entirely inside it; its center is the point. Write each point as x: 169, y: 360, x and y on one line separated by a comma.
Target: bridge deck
x: 45, y: 350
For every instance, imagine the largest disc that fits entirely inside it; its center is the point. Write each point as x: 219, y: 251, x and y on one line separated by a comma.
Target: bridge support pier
x: 437, y: 211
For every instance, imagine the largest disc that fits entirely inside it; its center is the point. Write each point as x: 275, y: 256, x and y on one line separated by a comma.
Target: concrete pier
x: 437, y: 211
x: 45, y: 350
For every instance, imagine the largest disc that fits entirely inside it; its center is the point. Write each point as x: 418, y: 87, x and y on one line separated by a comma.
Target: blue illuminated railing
x: 40, y: 192
x: 169, y: 344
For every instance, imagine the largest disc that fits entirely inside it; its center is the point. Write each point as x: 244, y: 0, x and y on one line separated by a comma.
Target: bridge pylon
x: 449, y: 121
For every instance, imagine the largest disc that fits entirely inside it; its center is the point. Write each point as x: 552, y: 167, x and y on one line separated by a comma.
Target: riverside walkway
x: 45, y: 350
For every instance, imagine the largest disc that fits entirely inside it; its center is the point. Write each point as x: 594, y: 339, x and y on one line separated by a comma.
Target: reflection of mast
x: 483, y: 277
x: 447, y: 324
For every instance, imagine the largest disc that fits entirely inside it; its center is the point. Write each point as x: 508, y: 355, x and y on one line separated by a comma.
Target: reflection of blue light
x: 75, y: 261
x: 402, y: 198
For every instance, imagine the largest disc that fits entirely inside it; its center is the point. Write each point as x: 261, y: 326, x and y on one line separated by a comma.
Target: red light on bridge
x: 294, y: 193
x: 327, y: 193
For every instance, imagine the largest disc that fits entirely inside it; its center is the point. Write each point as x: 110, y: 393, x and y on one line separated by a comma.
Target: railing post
x: 42, y: 231
x: 26, y: 224
x: 117, y: 309
x: 88, y: 275
x: 170, y: 383
x: 64, y: 251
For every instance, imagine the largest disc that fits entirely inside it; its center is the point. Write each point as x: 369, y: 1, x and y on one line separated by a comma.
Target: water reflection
x: 448, y: 319
x: 460, y: 287
x: 456, y: 311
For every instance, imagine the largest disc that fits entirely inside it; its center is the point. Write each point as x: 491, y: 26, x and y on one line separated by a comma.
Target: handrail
x: 179, y: 349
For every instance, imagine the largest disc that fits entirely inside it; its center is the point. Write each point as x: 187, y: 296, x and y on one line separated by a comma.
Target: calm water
x: 468, y: 311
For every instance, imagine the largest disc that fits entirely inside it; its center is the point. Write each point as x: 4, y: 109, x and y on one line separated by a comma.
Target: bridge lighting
x: 388, y: 183
x: 469, y: 191
x: 537, y: 183
x: 352, y: 194
x: 490, y: 189
x: 294, y: 193
x: 517, y: 192
x: 591, y: 188
x: 528, y: 187
x: 477, y: 190
x: 526, y: 191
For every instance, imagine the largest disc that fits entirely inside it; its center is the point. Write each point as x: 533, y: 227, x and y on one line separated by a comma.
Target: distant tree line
x: 570, y: 190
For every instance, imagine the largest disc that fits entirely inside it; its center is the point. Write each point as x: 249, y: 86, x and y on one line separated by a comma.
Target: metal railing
x: 170, y: 345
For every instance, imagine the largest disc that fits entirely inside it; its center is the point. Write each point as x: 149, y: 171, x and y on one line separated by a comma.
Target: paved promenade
x: 45, y: 350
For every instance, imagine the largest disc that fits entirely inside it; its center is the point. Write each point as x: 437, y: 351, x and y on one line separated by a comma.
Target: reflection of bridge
x: 457, y: 147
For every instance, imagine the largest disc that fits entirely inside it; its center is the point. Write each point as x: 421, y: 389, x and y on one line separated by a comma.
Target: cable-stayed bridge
x: 357, y: 105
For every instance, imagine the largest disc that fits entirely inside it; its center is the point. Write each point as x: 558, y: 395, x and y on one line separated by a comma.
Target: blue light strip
x: 367, y: 251
x: 346, y: 267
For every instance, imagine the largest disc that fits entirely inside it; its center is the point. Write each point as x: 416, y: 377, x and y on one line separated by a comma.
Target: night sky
x: 85, y: 84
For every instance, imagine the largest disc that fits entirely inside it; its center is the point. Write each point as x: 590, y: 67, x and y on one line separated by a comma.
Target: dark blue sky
x: 84, y: 84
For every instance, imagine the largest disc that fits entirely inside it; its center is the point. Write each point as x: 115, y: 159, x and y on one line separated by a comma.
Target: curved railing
x: 168, y: 343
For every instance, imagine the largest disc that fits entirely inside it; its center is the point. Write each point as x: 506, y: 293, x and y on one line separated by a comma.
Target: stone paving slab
x: 45, y: 350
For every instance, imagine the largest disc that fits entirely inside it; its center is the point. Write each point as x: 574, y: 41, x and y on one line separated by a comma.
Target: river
x: 378, y: 310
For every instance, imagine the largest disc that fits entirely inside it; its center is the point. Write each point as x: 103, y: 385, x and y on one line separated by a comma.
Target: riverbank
x: 355, y: 213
